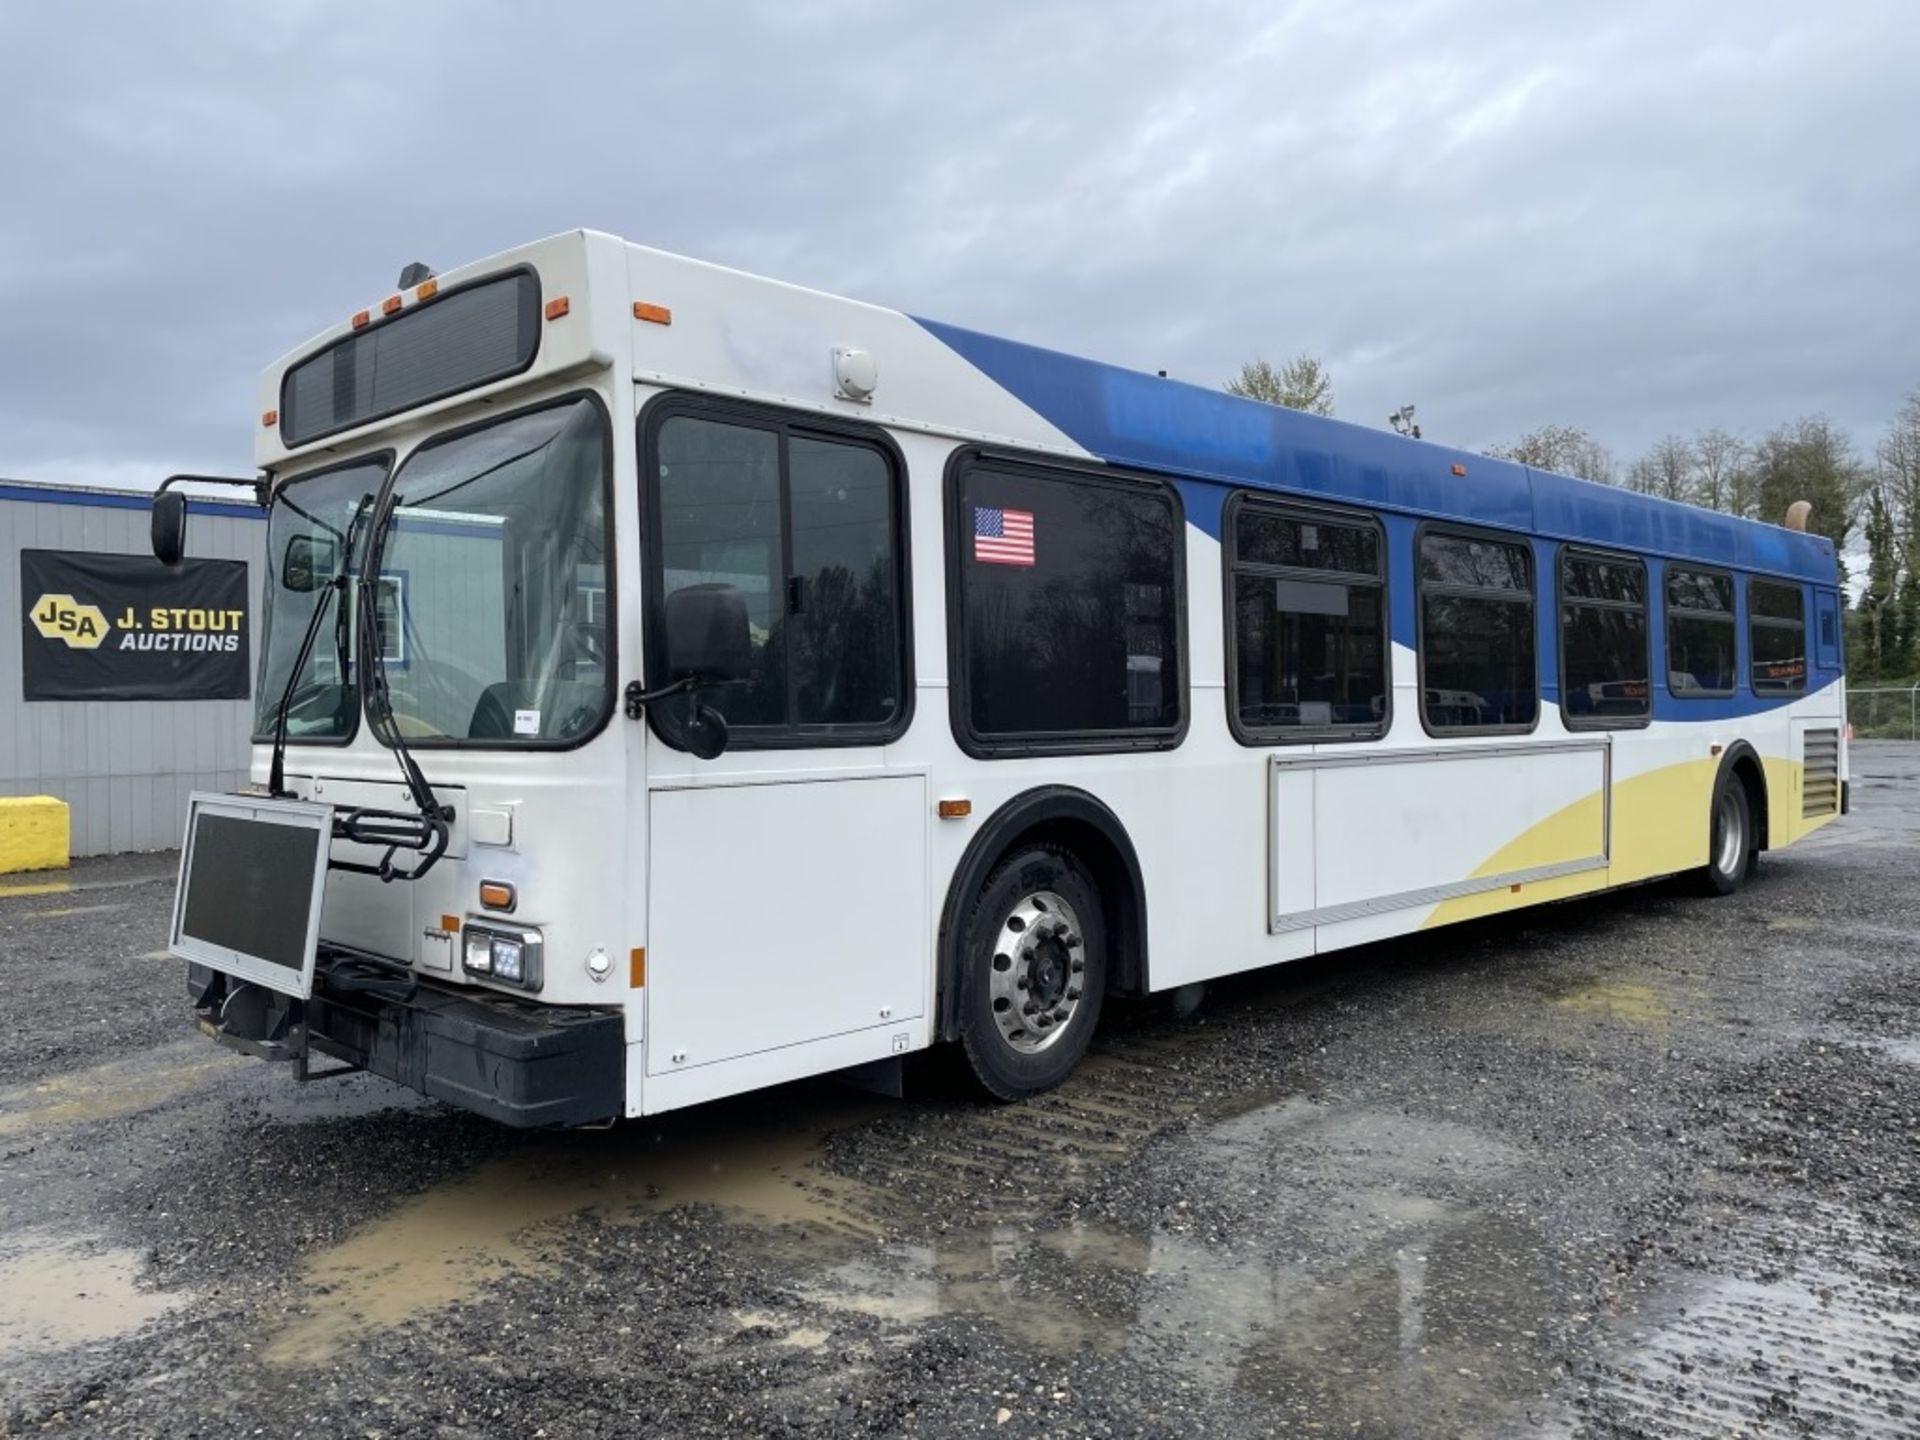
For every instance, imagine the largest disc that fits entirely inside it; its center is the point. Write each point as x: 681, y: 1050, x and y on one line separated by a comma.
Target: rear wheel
x: 1730, y: 838
x: 1034, y: 972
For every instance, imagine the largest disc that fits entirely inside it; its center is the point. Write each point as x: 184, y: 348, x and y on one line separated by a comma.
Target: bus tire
x: 1730, y: 836
x: 1034, y: 972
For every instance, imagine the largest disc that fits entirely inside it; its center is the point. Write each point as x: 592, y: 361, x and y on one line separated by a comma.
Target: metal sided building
x: 123, y: 766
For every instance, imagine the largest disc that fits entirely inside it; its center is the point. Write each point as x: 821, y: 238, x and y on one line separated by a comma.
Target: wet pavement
x: 1641, y: 1165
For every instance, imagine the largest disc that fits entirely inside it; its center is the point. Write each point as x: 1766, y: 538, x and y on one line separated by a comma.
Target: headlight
x: 511, y: 954
x: 507, y: 955
x: 479, y: 952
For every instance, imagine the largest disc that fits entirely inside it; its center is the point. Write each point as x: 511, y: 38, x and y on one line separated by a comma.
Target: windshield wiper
x: 427, y: 831
x: 277, y: 775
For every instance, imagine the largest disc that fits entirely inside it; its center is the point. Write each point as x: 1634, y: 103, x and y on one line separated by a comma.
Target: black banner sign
x: 125, y: 627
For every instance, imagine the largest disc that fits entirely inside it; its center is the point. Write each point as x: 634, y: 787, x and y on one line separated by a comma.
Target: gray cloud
x: 1637, y: 219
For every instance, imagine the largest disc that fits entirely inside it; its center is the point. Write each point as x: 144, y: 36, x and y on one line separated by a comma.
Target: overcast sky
x: 1633, y: 217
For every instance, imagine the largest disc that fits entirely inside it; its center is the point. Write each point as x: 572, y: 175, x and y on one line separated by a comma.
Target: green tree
x: 1879, y: 618
x: 1303, y: 383
x: 1810, y: 460
x: 1566, y: 449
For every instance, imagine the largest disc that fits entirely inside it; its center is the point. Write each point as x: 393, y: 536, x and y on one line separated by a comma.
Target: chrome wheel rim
x: 1729, y: 839
x: 1035, y: 975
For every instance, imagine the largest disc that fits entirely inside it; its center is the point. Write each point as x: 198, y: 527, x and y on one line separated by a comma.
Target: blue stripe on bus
x: 1128, y: 418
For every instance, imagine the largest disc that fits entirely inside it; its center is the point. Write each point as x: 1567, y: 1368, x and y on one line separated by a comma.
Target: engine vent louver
x: 1820, y: 774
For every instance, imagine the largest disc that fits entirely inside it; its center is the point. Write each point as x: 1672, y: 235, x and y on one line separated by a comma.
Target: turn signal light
x: 655, y: 314
x: 496, y: 895
x: 557, y: 307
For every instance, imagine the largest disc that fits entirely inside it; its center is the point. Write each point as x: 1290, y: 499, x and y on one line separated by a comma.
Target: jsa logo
x: 61, y: 617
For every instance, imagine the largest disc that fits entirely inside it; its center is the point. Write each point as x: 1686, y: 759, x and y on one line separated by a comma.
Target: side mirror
x: 707, y: 635
x: 312, y: 562
x: 169, y: 527
x: 705, y: 732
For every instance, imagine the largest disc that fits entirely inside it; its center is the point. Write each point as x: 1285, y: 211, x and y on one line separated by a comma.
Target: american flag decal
x: 1002, y: 537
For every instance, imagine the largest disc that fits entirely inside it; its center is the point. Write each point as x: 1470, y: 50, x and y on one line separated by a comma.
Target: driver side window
x: 805, y: 526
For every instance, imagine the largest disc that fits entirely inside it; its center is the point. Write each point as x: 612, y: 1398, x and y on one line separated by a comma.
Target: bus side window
x: 1700, y: 633
x: 1478, y: 670
x: 1776, y: 637
x: 1069, y: 624
x: 1606, y: 663
x: 1307, y: 624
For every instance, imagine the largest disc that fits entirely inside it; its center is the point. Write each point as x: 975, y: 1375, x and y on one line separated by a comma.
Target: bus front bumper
x: 520, y: 1064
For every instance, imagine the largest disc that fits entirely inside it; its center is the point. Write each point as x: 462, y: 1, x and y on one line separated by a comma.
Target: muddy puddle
x: 60, y: 1291
x: 1620, y: 1002
x: 120, y: 1087
x: 448, y: 1244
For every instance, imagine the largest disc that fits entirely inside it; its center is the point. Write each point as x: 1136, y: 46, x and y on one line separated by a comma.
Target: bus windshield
x: 491, y: 602
x: 312, y: 538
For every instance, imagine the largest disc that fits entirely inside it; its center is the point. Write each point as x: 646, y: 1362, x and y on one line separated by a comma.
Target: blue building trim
x: 132, y: 500
x: 1128, y: 418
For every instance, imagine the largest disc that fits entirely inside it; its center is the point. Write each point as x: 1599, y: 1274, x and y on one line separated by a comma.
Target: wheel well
x: 1744, y: 766
x: 1074, y: 820
x: 1746, y: 769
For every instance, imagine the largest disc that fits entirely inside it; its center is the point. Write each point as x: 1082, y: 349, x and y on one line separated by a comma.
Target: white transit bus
x: 677, y: 682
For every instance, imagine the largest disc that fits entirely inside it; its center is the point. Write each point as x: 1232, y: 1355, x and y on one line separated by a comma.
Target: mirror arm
x: 258, y: 484
x: 639, y: 697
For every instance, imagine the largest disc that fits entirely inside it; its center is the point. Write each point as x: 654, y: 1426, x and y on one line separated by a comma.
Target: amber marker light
x: 557, y: 307
x: 496, y: 895
x: 450, y: 924
x: 652, y: 314
x: 269, y: 419
x: 1459, y: 469
x: 955, y: 809
x: 427, y: 290
x: 362, y: 318
x: 638, y: 967
x: 389, y: 305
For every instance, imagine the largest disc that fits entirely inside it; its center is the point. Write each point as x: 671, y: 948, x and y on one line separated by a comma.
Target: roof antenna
x: 416, y: 273
x: 1797, y: 515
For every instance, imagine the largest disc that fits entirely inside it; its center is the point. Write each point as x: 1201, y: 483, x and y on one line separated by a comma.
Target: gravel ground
x: 1642, y: 1165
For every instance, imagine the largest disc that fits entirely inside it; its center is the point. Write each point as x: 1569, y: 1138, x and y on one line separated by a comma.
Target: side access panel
x: 767, y: 935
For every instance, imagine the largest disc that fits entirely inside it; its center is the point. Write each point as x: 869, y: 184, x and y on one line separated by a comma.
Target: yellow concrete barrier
x: 35, y: 832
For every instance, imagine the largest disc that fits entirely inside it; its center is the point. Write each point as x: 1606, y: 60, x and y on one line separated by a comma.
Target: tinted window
x: 1700, y: 630
x: 1309, y: 625
x: 804, y: 527
x: 1776, y: 637
x: 1603, y: 640
x: 1478, y: 670
x: 1069, y: 607
x: 464, y: 338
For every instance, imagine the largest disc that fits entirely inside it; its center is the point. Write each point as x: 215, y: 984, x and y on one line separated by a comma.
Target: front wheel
x: 1034, y: 972
x: 1730, y: 838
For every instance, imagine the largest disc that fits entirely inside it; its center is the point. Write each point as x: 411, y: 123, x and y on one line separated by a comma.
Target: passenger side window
x: 1308, y: 630
x: 1776, y: 637
x: 1700, y: 631
x: 805, y: 527
x: 1069, y: 612
x: 1606, y: 663
x: 1478, y: 668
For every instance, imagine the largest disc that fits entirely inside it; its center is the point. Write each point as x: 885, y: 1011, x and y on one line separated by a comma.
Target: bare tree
x: 1899, y: 456
x: 1810, y: 460
x: 1722, y: 479
x: 1303, y: 383
x: 1563, y: 448
x: 1667, y: 470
